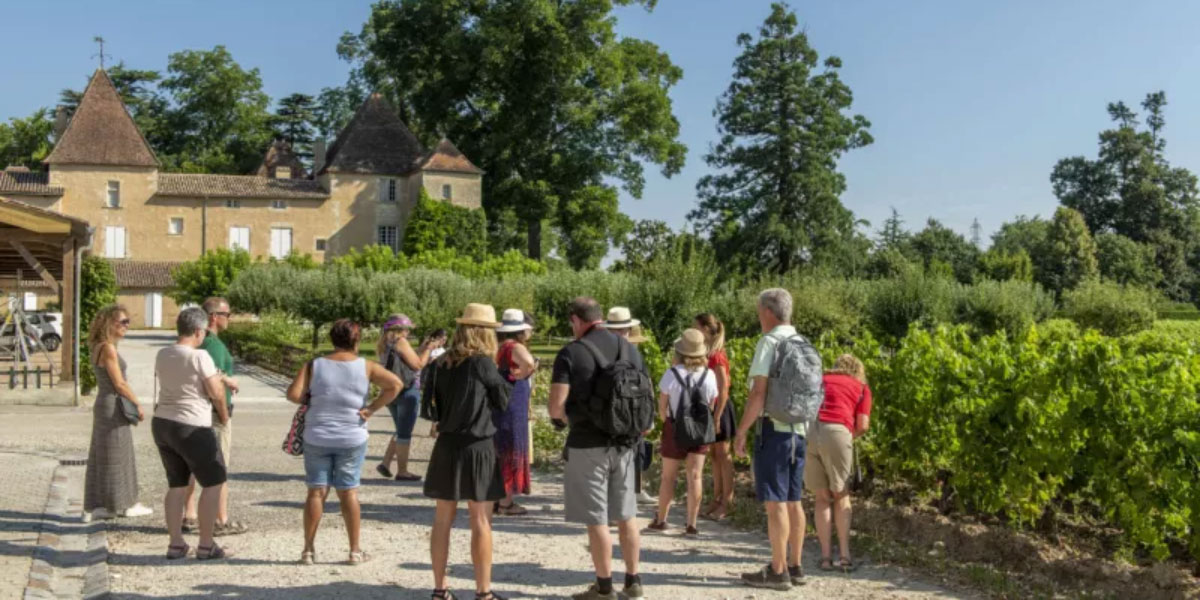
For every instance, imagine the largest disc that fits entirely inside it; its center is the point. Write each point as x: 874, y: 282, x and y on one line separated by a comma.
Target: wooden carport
x: 47, y: 243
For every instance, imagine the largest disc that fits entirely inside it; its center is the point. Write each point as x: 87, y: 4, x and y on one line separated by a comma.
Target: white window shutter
x: 124, y: 247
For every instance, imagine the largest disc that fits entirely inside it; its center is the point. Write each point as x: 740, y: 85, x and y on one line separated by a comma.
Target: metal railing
x: 25, y: 377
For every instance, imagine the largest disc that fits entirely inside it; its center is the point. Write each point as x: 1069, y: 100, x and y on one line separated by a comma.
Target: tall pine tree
x: 774, y: 200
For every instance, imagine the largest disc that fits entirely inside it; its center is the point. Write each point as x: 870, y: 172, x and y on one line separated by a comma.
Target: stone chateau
x: 361, y: 191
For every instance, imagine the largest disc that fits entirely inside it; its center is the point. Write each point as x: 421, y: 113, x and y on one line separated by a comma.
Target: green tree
x: 938, y: 244
x: 26, y: 142
x: 436, y: 225
x: 774, y: 201
x: 542, y: 94
x: 219, y: 115
x: 293, y: 122
x: 1126, y: 262
x: 1002, y: 265
x: 892, y: 235
x: 646, y: 241
x: 98, y: 288
x: 209, y: 275
x: 335, y: 107
x: 1070, y: 253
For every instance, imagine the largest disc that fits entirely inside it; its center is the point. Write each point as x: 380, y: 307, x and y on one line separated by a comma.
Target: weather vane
x: 100, y: 40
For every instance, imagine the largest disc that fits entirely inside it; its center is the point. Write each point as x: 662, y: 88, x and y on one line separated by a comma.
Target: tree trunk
x: 535, y: 239
x: 316, y: 337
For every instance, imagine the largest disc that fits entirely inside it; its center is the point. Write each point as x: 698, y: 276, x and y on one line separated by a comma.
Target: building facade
x: 362, y: 191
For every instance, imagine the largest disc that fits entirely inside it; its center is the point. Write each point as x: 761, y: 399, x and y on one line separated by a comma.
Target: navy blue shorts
x: 404, y: 413
x: 778, y: 465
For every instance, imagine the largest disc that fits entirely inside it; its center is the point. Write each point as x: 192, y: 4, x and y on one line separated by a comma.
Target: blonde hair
x: 100, y: 329
x: 691, y: 363
x: 388, y: 339
x: 471, y: 340
x: 713, y: 330
x: 848, y: 364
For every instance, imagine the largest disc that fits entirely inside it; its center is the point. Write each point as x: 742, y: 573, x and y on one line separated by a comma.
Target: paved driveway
x: 140, y: 347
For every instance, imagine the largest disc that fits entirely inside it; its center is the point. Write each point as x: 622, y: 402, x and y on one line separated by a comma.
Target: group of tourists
x: 475, y: 386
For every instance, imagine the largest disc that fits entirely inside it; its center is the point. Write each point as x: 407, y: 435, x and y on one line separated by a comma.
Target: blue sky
x: 971, y: 103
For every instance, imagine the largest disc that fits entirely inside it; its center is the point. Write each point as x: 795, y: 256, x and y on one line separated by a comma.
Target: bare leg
x: 631, y: 545
x: 600, y: 545
x: 695, y: 486
x: 439, y: 540
x: 402, y: 450
x: 823, y: 523
x: 666, y: 487
x: 841, y: 517
x: 726, y: 460
x: 797, y: 522
x: 777, y: 531
x: 173, y: 510
x: 189, y: 507
x: 210, y: 499
x: 481, y: 544
x: 223, y: 504
x: 389, y: 454
x: 717, y: 480
x: 352, y: 515
x: 314, y: 506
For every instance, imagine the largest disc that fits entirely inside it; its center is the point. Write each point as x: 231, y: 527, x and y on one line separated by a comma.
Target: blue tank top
x: 338, y: 390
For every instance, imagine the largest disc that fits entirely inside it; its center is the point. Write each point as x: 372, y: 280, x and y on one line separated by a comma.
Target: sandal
x: 383, y: 470
x: 176, y: 552
x: 407, y: 477
x: 488, y: 596
x: 657, y: 525
x: 444, y: 595
x: 308, y: 557
x: 846, y: 565
x: 358, y: 557
x: 214, y: 553
x: 190, y: 525
x: 230, y: 528
x: 512, y: 510
x: 826, y: 564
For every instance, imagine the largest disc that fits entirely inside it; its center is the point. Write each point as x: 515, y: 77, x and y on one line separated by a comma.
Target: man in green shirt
x: 218, y: 321
x: 778, y: 454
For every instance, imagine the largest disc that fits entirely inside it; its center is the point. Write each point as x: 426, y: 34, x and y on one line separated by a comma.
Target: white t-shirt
x: 181, y: 372
x: 670, y: 385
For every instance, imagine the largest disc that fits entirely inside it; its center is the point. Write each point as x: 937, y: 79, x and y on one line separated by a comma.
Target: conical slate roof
x: 446, y: 157
x: 280, y: 155
x: 101, y: 132
x: 375, y: 142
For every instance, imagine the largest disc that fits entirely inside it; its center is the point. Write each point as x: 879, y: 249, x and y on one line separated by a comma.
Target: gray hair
x: 190, y: 321
x: 778, y: 301
x: 214, y: 304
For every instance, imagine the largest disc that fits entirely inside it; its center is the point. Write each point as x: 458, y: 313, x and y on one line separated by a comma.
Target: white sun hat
x: 513, y: 320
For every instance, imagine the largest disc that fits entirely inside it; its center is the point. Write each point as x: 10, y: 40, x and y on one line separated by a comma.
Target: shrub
x: 827, y: 306
x: 437, y: 225
x: 553, y: 293
x: 98, y: 288
x: 1011, y: 306
x: 672, y: 289
x: 210, y: 275
x: 1113, y: 309
x: 914, y: 298
x: 1001, y: 265
x: 264, y: 288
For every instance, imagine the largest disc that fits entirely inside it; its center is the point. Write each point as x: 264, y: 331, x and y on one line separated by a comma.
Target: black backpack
x: 395, y: 363
x: 622, y: 400
x: 693, y: 420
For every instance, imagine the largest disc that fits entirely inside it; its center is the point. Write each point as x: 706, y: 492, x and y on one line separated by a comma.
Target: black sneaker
x: 633, y: 591
x: 766, y: 578
x: 796, y: 573
x: 593, y: 593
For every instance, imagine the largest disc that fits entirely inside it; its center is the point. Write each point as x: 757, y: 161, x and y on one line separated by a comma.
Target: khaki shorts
x: 224, y: 438
x: 829, y: 458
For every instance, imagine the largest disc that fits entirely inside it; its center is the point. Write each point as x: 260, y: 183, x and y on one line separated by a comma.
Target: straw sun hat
x: 479, y: 315
x: 619, y: 318
x: 691, y: 344
x: 513, y: 320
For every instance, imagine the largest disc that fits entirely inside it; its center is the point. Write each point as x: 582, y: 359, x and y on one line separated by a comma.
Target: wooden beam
x: 21, y: 235
x: 67, y: 306
x: 37, y: 266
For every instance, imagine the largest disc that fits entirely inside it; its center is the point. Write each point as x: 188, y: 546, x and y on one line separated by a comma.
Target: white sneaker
x: 87, y: 517
x: 138, y: 510
x: 645, y: 498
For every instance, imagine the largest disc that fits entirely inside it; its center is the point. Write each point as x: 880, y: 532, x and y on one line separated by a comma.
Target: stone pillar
x: 67, y: 302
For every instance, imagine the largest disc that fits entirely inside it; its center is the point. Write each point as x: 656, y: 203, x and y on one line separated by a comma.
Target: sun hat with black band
x: 619, y: 318
x: 479, y: 315
x: 691, y: 344
x: 513, y: 320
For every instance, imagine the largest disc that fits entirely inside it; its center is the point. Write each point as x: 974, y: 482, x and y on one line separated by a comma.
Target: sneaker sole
x: 779, y: 587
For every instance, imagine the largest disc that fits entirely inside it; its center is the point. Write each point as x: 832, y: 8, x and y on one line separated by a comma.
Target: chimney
x: 318, y: 149
x: 61, y: 118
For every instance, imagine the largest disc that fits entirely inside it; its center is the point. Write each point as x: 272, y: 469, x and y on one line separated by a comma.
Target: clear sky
x: 971, y: 103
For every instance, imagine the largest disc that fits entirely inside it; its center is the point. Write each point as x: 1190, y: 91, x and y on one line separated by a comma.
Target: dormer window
x: 279, y: 204
x: 112, y: 198
x: 283, y: 172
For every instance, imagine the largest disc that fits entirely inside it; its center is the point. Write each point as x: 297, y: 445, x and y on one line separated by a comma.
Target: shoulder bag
x: 293, y: 443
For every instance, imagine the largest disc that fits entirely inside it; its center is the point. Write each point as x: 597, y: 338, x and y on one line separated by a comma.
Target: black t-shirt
x: 575, y: 366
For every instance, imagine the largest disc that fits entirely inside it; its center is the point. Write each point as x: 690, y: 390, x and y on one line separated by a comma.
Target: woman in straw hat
x: 690, y: 372
x: 517, y: 365
x: 459, y: 393
x: 397, y: 355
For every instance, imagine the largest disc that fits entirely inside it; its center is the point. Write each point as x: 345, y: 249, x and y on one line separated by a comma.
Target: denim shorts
x: 337, y: 467
x: 404, y: 413
x: 778, y: 465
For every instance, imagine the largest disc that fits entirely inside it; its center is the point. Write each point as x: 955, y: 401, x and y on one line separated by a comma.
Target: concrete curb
x: 61, y: 519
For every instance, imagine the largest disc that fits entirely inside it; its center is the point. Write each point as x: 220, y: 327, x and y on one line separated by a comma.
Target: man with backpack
x: 601, y: 388
x: 786, y: 391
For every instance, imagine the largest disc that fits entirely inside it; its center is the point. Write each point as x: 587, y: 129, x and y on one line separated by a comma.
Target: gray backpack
x: 796, y: 384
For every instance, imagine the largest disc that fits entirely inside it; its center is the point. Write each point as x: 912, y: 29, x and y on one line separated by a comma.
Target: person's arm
x: 754, y: 408
x: 862, y: 418
x: 557, y: 405
x: 663, y: 399
x: 498, y: 389
x: 416, y: 360
x: 216, y: 395
x: 230, y: 383
x: 862, y: 424
x: 299, y: 386
x: 112, y: 365
x: 722, y: 373
x: 523, y: 364
x: 389, y: 387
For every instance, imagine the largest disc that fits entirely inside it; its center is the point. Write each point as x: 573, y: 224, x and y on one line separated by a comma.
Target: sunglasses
x: 220, y: 314
x: 124, y: 322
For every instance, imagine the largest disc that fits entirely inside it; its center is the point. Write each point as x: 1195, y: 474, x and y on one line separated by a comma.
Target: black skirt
x: 728, y: 423
x: 464, y: 468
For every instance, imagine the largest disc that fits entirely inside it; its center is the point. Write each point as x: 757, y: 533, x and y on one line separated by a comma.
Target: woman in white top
x: 690, y: 372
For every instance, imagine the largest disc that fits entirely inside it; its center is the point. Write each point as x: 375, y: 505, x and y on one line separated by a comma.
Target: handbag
x: 129, y: 410
x: 293, y: 442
